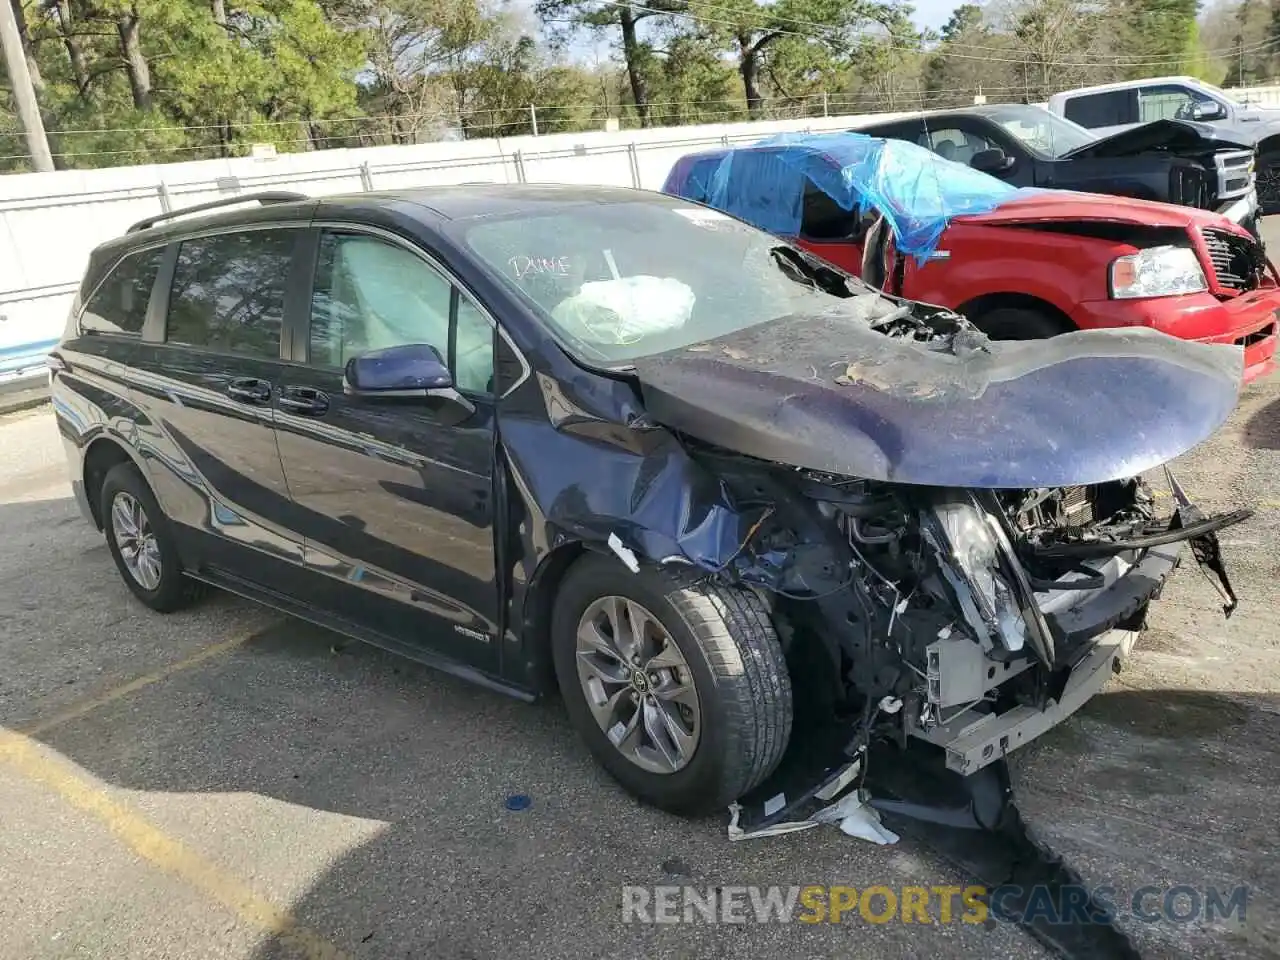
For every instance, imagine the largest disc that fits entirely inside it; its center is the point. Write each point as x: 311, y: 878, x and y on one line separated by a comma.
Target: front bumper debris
x: 974, y: 740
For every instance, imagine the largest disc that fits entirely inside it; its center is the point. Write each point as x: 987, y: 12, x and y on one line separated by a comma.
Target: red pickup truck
x: 1038, y: 264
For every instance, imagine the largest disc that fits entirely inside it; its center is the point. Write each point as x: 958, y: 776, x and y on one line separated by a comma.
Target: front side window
x: 119, y: 305
x: 957, y: 145
x: 371, y: 294
x: 228, y: 292
x: 1165, y: 103
x: 620, y: 281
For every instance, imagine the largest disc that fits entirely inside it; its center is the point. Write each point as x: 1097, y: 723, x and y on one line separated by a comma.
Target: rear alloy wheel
x: 141, y: 542
x: 678, y: 687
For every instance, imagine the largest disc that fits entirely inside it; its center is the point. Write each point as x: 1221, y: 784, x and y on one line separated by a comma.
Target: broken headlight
x: 978, y: 572
x: 1157, y: 272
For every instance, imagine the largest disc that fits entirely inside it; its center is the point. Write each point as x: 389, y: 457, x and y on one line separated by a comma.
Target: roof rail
x: 276, y: 196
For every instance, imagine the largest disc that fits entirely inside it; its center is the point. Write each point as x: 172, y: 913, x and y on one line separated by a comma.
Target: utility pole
x: 24, y: 94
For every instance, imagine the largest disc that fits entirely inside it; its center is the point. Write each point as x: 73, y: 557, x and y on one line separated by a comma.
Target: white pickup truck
x: 1112, y: 107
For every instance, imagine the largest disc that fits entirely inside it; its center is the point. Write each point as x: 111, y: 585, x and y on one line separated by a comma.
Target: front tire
x: 1268, y: 183
x: 141, y: 542
x: 1016, y: 323
x: 679, y: 689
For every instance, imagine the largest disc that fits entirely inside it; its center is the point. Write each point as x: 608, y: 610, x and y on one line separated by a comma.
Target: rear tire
x: 727, y: 668
x: 141, y: 542
x: 1018, y: 323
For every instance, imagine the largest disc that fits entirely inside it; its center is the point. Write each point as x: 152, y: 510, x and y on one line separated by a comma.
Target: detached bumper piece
x: 973, y: 740
x: 1188, y: 525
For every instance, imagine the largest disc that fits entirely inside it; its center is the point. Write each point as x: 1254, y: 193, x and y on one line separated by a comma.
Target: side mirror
x: 994, y: 160
x: 1207, y: 110
x: 414, y: 371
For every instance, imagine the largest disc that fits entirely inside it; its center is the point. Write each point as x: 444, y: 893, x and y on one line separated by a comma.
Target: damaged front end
x: 954, y: 547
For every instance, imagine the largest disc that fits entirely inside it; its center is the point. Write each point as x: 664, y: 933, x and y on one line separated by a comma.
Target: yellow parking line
x: 78, y: 710
x: 161, y: 851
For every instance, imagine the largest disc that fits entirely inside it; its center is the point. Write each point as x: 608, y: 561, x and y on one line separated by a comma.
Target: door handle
x: 249, y: 390
x: 303, y: 400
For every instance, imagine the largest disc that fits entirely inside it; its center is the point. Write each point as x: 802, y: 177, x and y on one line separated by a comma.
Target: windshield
x: 620, y: 281
x: 1221, y: 94
x: 1041, y: 130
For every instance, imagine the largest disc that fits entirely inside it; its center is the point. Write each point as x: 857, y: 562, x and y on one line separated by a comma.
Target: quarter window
x: 119, y: 305
x: 371, y: 294
x: 228, y: 292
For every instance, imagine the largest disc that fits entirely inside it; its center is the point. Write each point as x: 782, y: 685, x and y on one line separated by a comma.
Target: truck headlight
x: 1157, y: 272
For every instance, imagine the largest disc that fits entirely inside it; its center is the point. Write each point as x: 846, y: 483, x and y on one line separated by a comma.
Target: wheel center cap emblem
x: 640, y: 681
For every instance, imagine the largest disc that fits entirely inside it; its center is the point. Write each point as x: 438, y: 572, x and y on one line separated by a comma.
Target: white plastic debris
x: 625, y: 553
x: 857, y: 819
x: 625, y: 309
x: 737, y: 833
x: 890, y: 705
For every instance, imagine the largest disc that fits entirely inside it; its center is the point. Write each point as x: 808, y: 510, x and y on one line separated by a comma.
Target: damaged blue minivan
x: 718, y: 493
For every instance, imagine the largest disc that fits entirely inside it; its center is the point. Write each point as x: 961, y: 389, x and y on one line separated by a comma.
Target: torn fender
x: 588, y: 465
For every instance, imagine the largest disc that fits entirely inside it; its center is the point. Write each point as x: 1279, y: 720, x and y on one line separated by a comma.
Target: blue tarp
x: 916, y: 191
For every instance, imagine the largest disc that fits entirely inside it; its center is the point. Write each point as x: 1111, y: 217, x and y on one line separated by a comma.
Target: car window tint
x: 370, y: 294
x: 228, y: 292
x: 472, y: 364
x: 119, y: 305
x: 1110, y: 109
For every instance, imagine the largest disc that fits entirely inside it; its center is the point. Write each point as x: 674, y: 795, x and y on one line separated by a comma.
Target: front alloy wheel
x: 676, y: 684
x: 638, y: 686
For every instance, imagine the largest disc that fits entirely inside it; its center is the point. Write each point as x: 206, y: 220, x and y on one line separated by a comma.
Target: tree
x: 751, y: 30
x: 572, y: 16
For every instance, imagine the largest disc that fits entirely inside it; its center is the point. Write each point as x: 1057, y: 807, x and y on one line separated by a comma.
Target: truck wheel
x: 1269, y: 183
x: 679, y: 689
x: 1018, y: 323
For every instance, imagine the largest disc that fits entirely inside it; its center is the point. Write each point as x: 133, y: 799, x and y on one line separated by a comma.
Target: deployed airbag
x: 625, y: 309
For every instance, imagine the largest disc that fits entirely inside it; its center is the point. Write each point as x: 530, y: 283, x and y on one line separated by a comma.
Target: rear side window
x: 228, y: 292
x: 1109, y: 109
x: 119, y: 305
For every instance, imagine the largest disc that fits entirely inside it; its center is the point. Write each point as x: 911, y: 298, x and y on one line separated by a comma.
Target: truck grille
x: 1237, y: 262
x: 1235, y: 173
x: 1189, y: 187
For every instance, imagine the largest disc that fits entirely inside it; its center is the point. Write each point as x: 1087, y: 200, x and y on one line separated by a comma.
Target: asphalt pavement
x: 229, y: 783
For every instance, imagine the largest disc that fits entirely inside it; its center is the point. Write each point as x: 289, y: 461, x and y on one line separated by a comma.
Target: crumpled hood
x: 1174, y: 136
x: 830, y: 393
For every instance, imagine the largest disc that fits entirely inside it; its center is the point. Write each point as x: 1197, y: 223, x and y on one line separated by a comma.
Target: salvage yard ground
x: 228, y: 783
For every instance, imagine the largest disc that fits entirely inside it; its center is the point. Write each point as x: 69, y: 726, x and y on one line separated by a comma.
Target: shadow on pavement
x: 1262, y: 432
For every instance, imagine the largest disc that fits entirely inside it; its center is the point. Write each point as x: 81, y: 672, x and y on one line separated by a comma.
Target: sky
x: 933, y: 13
